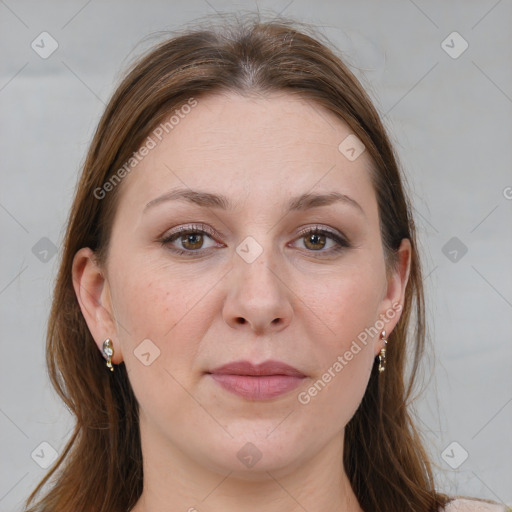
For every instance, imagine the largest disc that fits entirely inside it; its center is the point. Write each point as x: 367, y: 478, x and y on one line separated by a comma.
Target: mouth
x: 263, y: 381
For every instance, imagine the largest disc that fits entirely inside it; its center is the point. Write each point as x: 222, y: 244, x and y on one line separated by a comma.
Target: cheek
x: 349, y: 307
x: 345, y: 357
x: 154, y: 300
x: 154, y: 317
x: 170, y: 307
x: 348, y: 303
x: 144, y: 306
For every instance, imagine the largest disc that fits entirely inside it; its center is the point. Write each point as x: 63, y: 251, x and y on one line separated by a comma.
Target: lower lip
x: 257, y: 387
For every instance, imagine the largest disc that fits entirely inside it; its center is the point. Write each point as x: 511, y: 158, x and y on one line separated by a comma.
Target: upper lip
x: 270, y: 367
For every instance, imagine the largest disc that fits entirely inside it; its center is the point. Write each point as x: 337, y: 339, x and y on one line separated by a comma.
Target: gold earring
x: 108, y: 350
x: 382, y: 353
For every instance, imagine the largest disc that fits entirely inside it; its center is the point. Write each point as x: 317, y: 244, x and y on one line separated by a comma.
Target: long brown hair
x: 100, y: 468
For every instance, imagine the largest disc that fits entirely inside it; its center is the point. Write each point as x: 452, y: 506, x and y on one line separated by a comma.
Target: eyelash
x: 193, y: 229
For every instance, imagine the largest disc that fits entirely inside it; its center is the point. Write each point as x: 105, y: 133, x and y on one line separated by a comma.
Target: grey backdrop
x: 448, y: 109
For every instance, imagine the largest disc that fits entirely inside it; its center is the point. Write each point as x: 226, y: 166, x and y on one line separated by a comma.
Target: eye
x: 316, y: 239
x: 191, y: 239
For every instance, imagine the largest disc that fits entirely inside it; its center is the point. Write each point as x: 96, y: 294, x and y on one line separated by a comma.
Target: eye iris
x: 194, y: 239
x: 314, y: 238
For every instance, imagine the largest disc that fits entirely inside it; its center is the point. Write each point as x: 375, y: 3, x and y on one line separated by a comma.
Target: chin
x: 252, y: 459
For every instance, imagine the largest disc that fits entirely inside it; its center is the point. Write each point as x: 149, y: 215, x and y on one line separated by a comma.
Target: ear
x: 393, y: 300
x: 93, y: 294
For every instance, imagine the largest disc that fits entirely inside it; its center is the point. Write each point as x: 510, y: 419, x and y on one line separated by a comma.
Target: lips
x: 266, y: 368
x: 257, y: 381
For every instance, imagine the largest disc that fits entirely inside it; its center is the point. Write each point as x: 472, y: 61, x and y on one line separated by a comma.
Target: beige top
x: 469, y: 505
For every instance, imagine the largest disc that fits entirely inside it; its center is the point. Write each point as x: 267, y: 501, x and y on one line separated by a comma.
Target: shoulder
x: 474, y: 505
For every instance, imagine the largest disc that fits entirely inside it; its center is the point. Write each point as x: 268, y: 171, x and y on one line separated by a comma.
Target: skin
x: 295, y: 303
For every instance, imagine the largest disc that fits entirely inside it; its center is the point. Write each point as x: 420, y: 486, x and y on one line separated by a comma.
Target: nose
x: 258, y: 298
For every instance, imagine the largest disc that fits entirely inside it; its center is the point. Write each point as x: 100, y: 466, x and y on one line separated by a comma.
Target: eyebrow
x: 299, y: 203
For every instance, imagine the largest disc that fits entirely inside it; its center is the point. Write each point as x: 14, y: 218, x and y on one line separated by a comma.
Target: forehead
x: 242, y: 146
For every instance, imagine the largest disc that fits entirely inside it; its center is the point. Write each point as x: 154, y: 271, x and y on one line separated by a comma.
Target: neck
x: 176, y: 483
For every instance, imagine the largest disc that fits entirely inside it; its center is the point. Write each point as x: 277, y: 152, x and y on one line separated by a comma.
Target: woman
x: 242, y: 253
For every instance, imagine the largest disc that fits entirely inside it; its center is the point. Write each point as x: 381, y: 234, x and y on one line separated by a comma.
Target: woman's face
x: 247, y: 281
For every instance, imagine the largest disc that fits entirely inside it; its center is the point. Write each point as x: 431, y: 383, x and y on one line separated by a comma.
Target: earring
x: 108, y: 350
x: 382, y: 353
